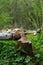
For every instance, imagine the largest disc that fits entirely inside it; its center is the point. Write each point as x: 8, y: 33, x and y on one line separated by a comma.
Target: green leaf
x: 27, y: 59
x: 37, y: 55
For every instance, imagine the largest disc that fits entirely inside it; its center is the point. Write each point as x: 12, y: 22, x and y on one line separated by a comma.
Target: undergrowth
x: 9, y: 55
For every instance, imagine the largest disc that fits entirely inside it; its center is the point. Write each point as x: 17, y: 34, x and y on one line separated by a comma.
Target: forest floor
x: 9, y: 55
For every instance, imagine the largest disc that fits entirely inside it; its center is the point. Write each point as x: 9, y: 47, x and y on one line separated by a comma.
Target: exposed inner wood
x: 26, y: 45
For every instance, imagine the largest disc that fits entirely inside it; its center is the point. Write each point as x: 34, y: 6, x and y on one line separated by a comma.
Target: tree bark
x: 26, y: 45
x: 16, y: 33
x: 5, y: 36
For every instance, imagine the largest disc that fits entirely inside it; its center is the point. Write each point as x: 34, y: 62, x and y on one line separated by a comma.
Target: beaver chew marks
x: 17, y: 33
x: 26, y: 45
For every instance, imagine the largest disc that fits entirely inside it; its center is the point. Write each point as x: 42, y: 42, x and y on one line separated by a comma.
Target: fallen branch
x: 16, y: 33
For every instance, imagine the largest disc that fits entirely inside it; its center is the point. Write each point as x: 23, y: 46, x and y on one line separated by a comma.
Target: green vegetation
x: 27, y: 14
x: 9, y: 55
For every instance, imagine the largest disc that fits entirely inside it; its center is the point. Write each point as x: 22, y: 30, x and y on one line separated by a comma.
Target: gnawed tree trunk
x: 21, y: 35
x: 15, y: 33
x: 26, y: 45
x: 11, y: 33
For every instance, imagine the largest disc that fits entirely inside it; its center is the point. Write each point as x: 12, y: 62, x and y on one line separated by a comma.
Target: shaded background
x: 27, y: 14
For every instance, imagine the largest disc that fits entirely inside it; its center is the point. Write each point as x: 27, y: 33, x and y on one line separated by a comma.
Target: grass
x: 10, y: 55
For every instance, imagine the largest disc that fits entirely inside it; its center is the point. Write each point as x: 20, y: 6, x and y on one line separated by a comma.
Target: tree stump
x: 26, y: 45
